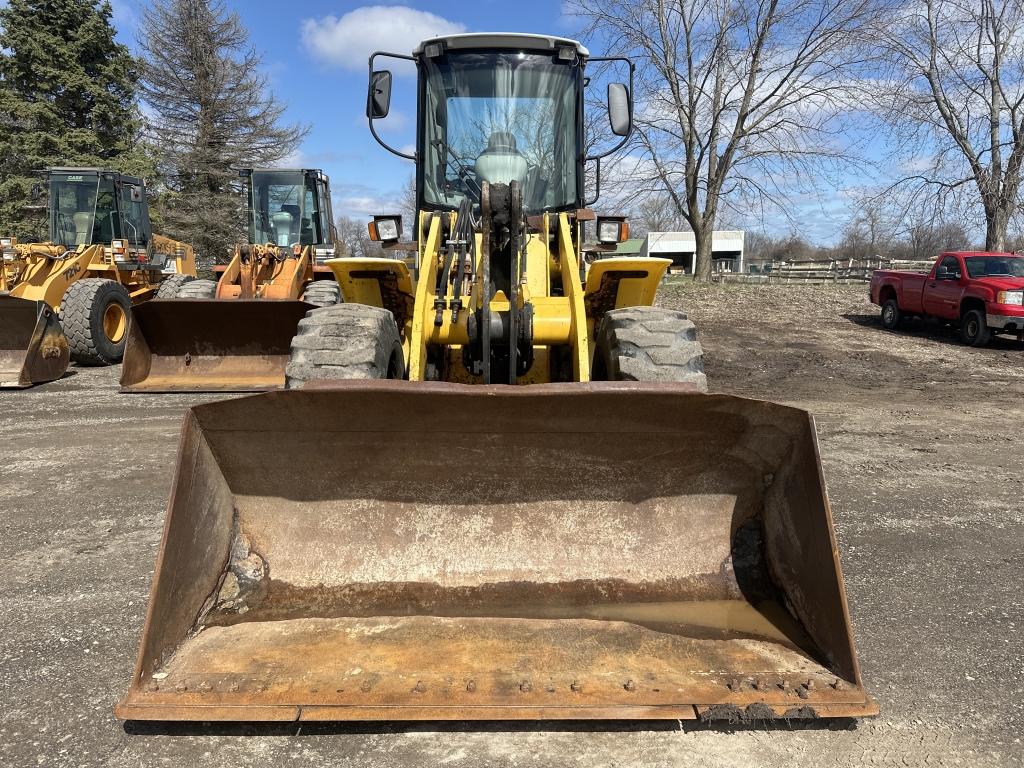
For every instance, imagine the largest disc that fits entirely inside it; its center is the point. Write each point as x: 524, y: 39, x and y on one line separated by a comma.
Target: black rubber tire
x: 346, y: 341
x: 82, y: 312
x: 323, y: 293
x: 198, y: 289
x: 648, y: 344
x: 171, y: 285
x: 891, y: 314
x: 974, y: 330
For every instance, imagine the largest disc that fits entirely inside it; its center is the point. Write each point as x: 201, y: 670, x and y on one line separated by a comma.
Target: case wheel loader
x: 233, y: 334
x: 70, y: 298
x: 508, y: 494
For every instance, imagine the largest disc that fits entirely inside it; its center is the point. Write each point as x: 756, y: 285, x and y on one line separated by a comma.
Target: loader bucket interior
x: 209, y: 345
x: 401, y: 551
x: 33, y: 348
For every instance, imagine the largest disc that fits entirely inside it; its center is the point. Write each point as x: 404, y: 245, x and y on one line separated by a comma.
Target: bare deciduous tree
x: 736, y: 99
x: 355, y: 238
x: 871, y: 230
x: 212, y: 114
x: 655, y: 213
x: 954, y: 91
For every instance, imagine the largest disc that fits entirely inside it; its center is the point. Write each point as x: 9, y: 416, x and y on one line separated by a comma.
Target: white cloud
x: 360, y: 201
x: 348, y: 41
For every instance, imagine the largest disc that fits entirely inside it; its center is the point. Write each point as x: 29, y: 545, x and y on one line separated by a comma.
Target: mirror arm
x: 597, y: 181
x: 373, y: 131
x: 622, y: 143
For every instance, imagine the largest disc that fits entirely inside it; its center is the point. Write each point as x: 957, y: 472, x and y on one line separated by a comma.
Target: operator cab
x: 499, y: 108
x: 289, y: 208
x: 92, y: 206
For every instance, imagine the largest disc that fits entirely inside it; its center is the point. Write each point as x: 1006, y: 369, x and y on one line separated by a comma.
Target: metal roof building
x: 681, y: 247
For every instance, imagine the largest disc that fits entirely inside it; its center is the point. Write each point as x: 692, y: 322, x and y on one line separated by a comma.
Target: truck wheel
x: 891, y: 315
x: 94, y: 314
x: 198, y: 289
x: 346, y: 341
x: 170, y: 285
x: 323, y: 293
x: 974, y: 329
x: 648, y: 344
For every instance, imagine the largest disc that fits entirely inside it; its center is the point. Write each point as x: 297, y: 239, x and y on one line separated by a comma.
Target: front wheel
x: 198, y: 289
x: 974, y: 329
x: 94, y: 314
x: 891, y: 315
x: 171, y: 285
x: 345, y: 341
x: 648, y: 344
x: 323, y: 293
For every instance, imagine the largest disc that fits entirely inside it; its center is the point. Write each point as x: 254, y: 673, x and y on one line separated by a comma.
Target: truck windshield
x: 995, y: 266
x: 282, y: 209
x: 83, y: 210
x: 500, y: 117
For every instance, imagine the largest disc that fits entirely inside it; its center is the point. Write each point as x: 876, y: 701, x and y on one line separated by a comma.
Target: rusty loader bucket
x: 397, y: 551
x: 33, y: 348
x: 209, y: 345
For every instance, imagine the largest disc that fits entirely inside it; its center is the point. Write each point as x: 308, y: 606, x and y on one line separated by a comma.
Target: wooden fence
x: 821, y: 271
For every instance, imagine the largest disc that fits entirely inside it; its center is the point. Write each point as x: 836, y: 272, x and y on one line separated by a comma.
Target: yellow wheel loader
x: 233, y: 334
x: 507, y: 494
x: 69, y: 298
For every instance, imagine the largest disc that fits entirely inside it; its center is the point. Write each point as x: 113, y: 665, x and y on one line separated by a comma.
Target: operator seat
x: 82, y: 227
x: 282, y: 225
x: 501, y: 162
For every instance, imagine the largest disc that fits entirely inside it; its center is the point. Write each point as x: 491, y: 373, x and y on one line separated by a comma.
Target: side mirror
x: 378, y: 100
x: 620, y: 112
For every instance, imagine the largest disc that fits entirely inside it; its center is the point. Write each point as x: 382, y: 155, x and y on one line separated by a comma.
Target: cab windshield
x: 283, y: 209
x: 500, y: 117
x: 83, y: 209
x: 995, y: 266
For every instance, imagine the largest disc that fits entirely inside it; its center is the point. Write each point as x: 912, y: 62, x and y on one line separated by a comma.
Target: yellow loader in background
x: 520, y: 503
x: 233, y: 334
x: 69, y: 298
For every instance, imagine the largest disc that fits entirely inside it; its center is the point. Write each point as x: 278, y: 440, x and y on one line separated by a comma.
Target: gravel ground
x: 920, y: 442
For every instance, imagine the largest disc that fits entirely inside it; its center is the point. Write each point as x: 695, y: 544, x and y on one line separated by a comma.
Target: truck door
x: 943, y: 289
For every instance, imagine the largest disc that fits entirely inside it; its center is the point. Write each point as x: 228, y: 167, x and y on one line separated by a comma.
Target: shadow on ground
x: 154, y: 728
x: 930, y: 329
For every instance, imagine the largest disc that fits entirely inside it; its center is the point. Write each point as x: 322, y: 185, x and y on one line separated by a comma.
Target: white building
x: 681, y: 247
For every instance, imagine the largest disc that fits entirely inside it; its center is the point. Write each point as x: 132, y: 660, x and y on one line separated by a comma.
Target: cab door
x: 943, y: 289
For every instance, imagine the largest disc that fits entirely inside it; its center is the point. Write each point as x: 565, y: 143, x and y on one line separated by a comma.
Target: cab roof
x: 512, y: 41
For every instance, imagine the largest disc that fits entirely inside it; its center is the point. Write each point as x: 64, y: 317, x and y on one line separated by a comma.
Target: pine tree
x: 66, y: 98
x: 213, y: 114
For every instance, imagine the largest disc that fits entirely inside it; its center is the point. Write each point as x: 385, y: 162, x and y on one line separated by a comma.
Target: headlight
x: 7, y: 242
x: 1014, y: 298
x: 612, y: 229
x: 385, y: 228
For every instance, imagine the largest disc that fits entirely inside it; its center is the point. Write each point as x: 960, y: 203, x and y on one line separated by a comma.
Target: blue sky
x: 315, y: 51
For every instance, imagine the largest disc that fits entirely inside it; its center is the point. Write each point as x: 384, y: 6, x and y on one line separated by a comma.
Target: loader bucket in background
x: 33, y: 348
x: 209, y: 345
x: 397, y: 551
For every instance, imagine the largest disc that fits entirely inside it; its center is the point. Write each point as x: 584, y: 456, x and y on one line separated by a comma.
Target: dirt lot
x: 921, y: 442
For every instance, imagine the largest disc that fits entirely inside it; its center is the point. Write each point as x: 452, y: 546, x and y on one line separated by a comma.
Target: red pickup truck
x: 982, y: 292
